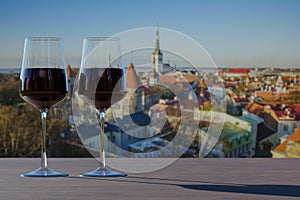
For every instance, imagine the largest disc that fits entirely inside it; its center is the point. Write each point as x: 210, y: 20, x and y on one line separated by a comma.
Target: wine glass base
x: 44, y: 172
x: 102, y: 172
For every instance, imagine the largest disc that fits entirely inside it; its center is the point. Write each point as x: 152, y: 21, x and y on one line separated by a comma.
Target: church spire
x: 157, y: 56
x: 157, y: 39
x: 157, y: 50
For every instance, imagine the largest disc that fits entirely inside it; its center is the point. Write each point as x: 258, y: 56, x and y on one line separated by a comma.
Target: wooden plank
x: 184, y: 179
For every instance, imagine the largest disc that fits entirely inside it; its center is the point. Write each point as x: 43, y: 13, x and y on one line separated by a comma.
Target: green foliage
x: 20, y: 134
x: 9, y: 92
x: 20, y: 131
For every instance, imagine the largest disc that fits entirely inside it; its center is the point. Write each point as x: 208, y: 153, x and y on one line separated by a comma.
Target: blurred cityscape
x: 261, y: 109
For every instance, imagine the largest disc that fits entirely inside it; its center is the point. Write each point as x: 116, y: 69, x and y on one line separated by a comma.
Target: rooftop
x: 238, y: 71
x: 190, y: 77
x: 295, y: 137
x: 263, y: 132
x: 132, y: 79
x: 234, y: 137
x: 255, y: 108
x: 249, y: 120
x: 167, y: 79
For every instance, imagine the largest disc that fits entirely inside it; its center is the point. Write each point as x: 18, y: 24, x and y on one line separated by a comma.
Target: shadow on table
x: 277, y: 190
x: 267, y: 189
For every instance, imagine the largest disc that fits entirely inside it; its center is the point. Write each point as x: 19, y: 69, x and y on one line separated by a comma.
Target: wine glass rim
x: 44, y: 38
x: 102, y: 38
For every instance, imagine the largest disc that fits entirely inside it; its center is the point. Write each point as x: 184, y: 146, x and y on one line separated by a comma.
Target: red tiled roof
x: 238, y: 71
x: 281, y: 114
x: 238, y: 99
x: 296, y: 108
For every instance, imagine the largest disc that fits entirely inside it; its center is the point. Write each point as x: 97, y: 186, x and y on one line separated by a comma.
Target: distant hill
x: 4, y: 70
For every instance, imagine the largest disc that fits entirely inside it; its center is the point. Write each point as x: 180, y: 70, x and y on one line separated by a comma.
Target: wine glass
x: 43, y: 83
x: 101, y: 83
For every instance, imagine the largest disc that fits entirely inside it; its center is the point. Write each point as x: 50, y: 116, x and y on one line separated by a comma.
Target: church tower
x: 157, y: 56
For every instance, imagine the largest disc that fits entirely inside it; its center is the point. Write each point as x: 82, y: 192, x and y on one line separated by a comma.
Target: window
x: 285, y: 127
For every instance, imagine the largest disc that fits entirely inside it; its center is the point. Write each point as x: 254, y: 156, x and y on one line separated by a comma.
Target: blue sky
x: 234, y: 32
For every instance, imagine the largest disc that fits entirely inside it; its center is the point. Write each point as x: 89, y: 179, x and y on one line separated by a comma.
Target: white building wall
x: 286, y: 127
x: 254, y: 129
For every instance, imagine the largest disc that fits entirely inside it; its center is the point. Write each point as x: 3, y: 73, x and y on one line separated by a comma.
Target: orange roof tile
x: 190, y: 77
x: 281, y: 147
x: 286, y: 78
x: 294, y: 137
x: 254, y: 108
x: 265, y: 95
x: 159, y: 107
x: 132, y: 79
x: 167, y: 79
x: 70, y: 72
x: 269, y: 96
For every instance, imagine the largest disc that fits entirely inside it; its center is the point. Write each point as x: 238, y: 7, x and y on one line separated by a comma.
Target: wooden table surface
x: 184, y: 179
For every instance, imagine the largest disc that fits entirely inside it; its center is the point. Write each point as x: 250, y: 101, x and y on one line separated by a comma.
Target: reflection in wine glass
x: 101, y: 85
x: 43, y: 83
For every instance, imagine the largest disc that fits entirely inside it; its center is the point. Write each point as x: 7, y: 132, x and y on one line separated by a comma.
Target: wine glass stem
x: 43, y: 148
x: 102, y: 138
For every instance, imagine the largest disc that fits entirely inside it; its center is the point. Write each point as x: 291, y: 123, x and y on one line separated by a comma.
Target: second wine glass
x: 101, y: 83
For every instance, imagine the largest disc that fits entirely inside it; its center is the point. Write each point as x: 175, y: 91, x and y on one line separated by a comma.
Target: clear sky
x: 234, y: 32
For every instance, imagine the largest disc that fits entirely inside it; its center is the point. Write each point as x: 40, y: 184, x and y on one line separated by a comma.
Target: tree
x: 20, y: 133
x: 9, y: 92
x: 57, y: 124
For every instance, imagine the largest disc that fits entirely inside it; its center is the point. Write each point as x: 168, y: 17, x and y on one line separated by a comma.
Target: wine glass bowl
x: 43, y: 87
x: 43, y: 83
x: 107, y: 83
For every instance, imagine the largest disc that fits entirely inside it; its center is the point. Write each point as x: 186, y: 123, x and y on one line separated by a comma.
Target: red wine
x: 99, y: 85
x: 43, y: 87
